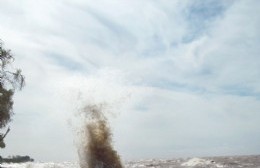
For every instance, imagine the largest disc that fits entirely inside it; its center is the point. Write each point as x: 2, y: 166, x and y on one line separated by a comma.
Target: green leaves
x: 10, y: 79
x: 6, y: 106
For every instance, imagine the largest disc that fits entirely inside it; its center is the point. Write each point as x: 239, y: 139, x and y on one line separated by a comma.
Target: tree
x: 10, y: 80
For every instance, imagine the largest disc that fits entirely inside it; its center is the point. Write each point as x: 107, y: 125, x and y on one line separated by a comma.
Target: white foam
x: 195, y: 162
x: 41, y: 165
x: 200, y: 162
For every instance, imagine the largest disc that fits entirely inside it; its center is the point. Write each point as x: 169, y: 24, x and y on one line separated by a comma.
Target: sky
x: 181, y: 78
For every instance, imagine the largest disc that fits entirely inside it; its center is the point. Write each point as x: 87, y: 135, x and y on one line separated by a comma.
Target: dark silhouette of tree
x: 10, y: 80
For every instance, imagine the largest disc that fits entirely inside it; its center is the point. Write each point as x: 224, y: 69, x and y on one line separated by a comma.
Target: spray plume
x: 92, y: 99
x: 98, y: 151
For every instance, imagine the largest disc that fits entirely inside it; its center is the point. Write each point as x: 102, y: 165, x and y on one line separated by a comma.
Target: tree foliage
x: 10, y: 80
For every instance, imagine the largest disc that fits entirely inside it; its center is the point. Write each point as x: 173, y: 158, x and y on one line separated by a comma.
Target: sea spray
x: 94, y: 99
x: 97, y: 150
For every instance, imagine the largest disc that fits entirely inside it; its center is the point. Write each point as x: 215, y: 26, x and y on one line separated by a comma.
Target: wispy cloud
x: 192, y: 68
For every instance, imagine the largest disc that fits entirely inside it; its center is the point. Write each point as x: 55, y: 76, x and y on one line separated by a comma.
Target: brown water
x: 98, y: 151
x: 250, y: 161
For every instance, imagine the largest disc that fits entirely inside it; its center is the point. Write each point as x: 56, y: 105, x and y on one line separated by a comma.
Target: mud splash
x: 97, y: 151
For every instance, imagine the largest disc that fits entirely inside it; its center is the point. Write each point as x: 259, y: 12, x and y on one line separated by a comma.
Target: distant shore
x: 16, y: 159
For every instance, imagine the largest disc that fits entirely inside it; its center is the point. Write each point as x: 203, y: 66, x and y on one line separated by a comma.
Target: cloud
x: 187, y: 124
x: 191, y: 68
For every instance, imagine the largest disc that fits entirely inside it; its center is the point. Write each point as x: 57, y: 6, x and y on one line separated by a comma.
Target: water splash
x: 97, y: 150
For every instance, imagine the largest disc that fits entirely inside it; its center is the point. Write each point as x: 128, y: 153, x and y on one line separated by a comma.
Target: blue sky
x: 181, y: 77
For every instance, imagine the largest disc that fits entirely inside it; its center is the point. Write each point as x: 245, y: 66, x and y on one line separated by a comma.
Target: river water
x: 252, y: 161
